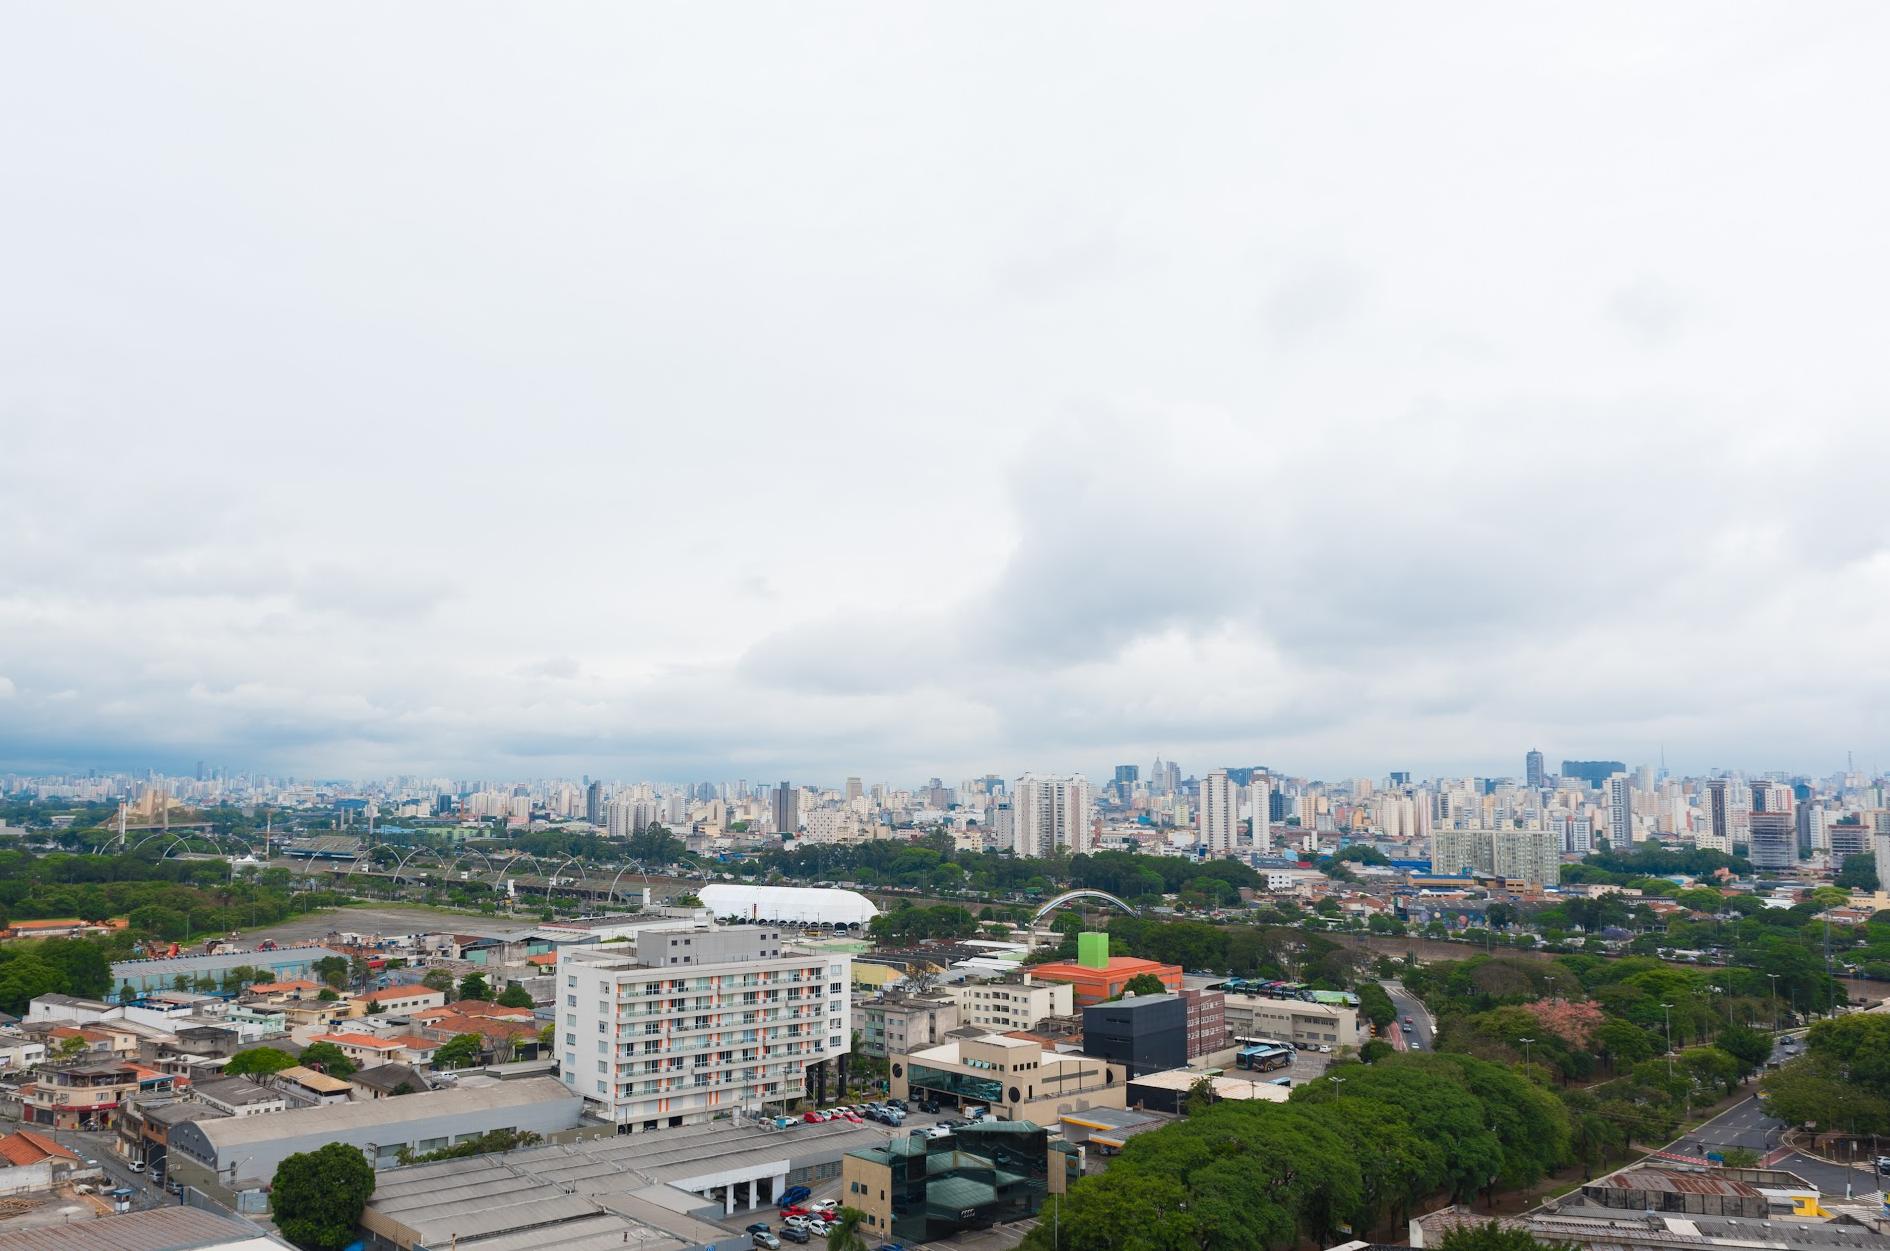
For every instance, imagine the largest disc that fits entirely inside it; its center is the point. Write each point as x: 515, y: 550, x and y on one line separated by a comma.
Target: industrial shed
x: 789, y: 905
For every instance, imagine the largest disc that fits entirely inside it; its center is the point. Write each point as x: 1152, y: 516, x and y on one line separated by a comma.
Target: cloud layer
x: 942, y: 390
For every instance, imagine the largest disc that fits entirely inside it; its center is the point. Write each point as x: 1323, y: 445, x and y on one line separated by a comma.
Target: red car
x: 812, y: 1118
x: 854, y: 1117
x: 795, y: 1210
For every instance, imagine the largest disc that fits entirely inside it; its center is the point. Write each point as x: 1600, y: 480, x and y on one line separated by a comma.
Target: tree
x: 333, y: 970
x: 1144, y: 984
x: 1497, y: 1237
x: 440, y: 980
x: 515, y: 996
x: 1200, y: 1096
x: 318, y: 1196
x: 258, y: 1062
x: 1739, y: 1157
x: 1374, y: 1050
x: 1859, y: 872
x: 329, y: 1058
x: 1748, y: 1046
x: 458, y: 1051
x: 473, y: 986
x: 845, y: 1235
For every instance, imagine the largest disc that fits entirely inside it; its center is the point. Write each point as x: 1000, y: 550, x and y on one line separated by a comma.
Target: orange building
x: 1095, y: 975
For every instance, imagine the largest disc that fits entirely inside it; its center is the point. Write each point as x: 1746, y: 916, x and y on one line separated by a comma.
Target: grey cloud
x: 930, y: 419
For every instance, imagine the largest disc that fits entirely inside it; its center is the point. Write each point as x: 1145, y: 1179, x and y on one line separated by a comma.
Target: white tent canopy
x: 798, y: 905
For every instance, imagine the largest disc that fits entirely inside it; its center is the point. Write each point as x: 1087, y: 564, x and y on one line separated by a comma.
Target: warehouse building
x: 1291, y: 1020
x: 286, y: 964
x: 236, y: 1148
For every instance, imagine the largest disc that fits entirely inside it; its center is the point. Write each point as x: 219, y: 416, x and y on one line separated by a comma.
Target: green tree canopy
x: 515, y: 996
x: 473, y: 986
x: 318, y: 1196
x: 458, y: 1051
x: 258, y: 1062
x: 329, y: 1058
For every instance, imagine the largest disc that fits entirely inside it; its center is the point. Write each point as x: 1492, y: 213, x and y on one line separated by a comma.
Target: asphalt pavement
x: 1423, y: 1027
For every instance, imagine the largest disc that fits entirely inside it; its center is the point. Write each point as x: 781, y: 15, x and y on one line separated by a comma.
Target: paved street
x: 1423, y: 1028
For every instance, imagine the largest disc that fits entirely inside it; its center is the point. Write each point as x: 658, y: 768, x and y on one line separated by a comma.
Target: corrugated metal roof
x: 160, y: 1229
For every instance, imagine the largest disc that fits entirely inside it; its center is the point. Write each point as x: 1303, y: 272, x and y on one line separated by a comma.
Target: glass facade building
x: 971, y: 1178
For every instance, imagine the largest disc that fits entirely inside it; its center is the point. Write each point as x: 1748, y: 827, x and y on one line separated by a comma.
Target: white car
x: 798, y: 1222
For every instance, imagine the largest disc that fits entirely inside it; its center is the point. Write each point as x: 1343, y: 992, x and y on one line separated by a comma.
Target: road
x: 98, y: 1147
x: 1423, y: 1027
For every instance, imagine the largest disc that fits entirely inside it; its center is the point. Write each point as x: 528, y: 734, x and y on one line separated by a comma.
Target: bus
x: 1264, y: 1059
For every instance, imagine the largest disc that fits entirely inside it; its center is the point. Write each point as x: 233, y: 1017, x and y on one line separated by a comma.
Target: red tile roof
x: 23, y: 1146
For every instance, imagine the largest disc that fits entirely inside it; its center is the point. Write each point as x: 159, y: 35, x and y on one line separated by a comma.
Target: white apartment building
x: 680, y: 1024
x: 1048, y: 813
x: 1260, y: 808
x: 999, y: 1006
x: 1219, y: 813
x: 1533, y: 856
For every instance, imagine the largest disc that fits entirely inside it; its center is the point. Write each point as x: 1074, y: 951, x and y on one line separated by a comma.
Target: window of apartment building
x: 571, y: 981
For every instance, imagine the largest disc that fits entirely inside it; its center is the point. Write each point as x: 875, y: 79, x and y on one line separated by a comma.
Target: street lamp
x: 1774, y: 978
x: 1666, y: 1010
x: 1525, y: 1050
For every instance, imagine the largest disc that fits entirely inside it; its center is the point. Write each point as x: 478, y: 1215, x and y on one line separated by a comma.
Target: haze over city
x: 635, y: 393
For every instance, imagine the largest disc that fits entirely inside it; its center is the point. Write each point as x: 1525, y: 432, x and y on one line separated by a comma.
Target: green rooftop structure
x: 1092, y: 950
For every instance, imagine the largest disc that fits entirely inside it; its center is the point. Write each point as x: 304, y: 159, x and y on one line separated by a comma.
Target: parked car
x: 929, y: 1107
x: 796, y: 1210
x: 137, y: 1166
x: 796, y: 1235
x: 898, y: 1103
x: 827, y: 1205
x: 759, y: 1227
x: 793, y: 1195
x: 766, y: 1241
x: 785, y: 1122
x: 797, y: 1222
x: 854, y: 1117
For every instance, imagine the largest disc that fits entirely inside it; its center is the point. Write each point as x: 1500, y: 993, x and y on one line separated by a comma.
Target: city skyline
x: 1349, y: 390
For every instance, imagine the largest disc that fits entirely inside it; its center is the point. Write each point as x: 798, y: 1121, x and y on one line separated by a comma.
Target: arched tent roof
x: 800, y: 905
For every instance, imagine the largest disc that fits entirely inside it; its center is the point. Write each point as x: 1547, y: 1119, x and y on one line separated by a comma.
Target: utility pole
x: 1774, y: 978
x: 1666, y: 1010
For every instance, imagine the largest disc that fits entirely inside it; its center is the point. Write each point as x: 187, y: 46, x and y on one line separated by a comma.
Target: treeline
x: 67, y: 966
x: 1841, y: 1082
x: 1360, y: 1148
x: 930, y: 863
x: 163, y: 899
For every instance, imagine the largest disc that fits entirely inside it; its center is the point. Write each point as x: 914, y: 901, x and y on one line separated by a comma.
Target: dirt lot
x: 376, y: 919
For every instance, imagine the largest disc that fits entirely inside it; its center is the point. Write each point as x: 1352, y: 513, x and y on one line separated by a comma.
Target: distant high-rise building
x: 594, y: 803
x: 1128, y: 775
x: 1400, y: 777
x: 1532, y: 768
x: 1594, y: 772
x: 1774, y: 840
x: 1620, y: 812
x: 1260, y: 807
x: 1048, y: 813
x: 785, y: 810
x: 1219, y: 815
x: 854, y: 790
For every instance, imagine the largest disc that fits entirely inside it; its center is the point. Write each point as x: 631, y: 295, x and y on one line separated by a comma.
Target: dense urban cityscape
x: 416, y: 1010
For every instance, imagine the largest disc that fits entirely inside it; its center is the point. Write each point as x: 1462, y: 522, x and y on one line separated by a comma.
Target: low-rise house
x: 385, y: 1081
x: 239, y: 1096
x: 307, y: 1088
x: 366, y: 1049
x: 409, y: 998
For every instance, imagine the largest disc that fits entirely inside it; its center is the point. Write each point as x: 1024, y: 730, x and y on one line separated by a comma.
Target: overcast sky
x: 710, y: 391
